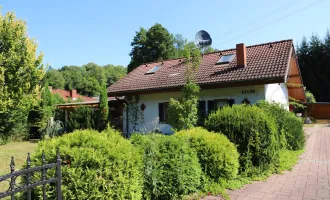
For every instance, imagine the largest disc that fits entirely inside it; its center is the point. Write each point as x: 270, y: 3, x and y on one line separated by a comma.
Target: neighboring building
x: 71, y: 95
x: 243, y: 75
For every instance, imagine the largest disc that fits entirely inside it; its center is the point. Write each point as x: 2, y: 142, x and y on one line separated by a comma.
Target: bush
x: 99, y: 166
x: 171, y: 168
x: 217, y: 156
x: 254, y: 133
x: 82, y: 117
x: 287, y: 124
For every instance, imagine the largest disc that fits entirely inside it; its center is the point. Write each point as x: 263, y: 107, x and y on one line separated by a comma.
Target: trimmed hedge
x: 254, y: 133
x: 100, y: 166
x: 286, y: 123
x: 218, y: 157
x: 171, y: 168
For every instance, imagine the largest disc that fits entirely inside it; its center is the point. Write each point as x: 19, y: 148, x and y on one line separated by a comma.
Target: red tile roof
x: 267, y: 62
x: 66, y: 95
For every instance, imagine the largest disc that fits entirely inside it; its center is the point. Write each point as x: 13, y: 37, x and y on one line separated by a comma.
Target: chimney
x: 50, y: 88
x: 241, y: 55
x: 73, y: 94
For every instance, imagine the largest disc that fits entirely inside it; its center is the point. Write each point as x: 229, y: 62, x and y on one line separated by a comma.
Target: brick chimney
x: 73, y: 94
x: 241, y: 55
x: 50, y: 88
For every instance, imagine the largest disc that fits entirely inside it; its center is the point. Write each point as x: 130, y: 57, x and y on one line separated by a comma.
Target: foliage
x: 82, y: 117
x: 171, y: 168
x: 183, y: 113
x: 152, y: 45
x: 157, y: 44
x: 54, y: 79
x: 20, y: 73
x: 310, y: 97
x: 288, y: 126
x: 314, y: 63
x: 135, y: 117
x: 103, y: 112
x: 288, y: 159
x: 254, y: 133
x: 88, y: 79
x: 217, y: 156
x: 99, y: 166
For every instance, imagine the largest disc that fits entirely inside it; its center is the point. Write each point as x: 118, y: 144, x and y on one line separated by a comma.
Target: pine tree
x: 103, y: 112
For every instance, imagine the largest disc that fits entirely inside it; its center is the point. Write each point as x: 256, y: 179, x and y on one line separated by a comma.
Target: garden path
x: 309, y: 178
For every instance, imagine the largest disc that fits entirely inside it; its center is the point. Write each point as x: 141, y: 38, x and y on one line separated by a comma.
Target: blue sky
x: 77, y: 32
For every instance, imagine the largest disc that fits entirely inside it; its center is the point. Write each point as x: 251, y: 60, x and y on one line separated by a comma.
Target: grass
x: 17, y: 149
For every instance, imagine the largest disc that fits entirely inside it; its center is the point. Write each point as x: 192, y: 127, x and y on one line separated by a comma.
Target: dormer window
x: 154, y: 69
x: 226, y: 59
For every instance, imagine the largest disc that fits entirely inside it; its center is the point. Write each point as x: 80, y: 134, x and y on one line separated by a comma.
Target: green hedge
x: 286, y: 123
x: 101, y: 166
x: 254, y: 133
x: 218, y: 157
x: 171, y: 168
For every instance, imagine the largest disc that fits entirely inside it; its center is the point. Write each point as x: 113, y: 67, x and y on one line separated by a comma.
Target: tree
x: 73, y: 76
x: 20, y: 73
x: 183, y: 113
x: 103, y: 112
x: 114, y: 73
x: 152, y: 45
x: 314, y: 62
x: 55, y: 79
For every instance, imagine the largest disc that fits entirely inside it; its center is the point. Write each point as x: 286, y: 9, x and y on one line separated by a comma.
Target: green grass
x: 19, y: 150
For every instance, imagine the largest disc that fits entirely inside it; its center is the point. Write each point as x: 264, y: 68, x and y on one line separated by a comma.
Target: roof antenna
x: 203, y: 40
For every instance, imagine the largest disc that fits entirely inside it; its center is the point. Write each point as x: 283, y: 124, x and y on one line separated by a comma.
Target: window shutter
x: 161, y: 112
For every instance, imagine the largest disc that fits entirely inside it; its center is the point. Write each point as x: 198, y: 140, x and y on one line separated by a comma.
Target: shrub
x: 287, y: 124
x: 82, y: 117
x: 99, y: 166
x: 217, y: 156
x: 171, y: 168
x: 254, y: 133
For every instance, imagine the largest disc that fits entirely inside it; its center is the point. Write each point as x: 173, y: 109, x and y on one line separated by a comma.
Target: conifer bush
x: 171, y: 168
x: 254, y: 134
x: 98, y: 166
x: 217, y: 156
x: 286, y: 123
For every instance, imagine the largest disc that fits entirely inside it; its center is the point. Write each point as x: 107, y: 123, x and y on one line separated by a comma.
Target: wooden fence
x: 319, y: 110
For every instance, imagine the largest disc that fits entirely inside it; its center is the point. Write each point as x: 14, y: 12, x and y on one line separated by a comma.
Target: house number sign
x: 248, y: 91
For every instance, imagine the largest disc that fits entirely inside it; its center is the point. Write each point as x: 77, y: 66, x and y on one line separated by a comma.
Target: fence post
x: 12, y: 179
x: 44, y: 173
x: 59, y: 175
x: 28, y: 165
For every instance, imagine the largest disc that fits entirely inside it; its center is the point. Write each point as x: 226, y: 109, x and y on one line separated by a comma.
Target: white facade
x: 150, y: 115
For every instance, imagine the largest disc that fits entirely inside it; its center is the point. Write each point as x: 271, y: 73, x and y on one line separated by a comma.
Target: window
x: 214, y: 105
x: 154, y: 70
x: 201, y: 113
x: 162, y: 112
x: 226, y: 59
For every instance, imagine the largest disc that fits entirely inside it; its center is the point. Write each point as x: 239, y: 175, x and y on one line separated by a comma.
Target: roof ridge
x: 261, y: 44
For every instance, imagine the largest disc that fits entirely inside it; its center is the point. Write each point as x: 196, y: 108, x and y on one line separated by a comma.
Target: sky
x: 78, y: 32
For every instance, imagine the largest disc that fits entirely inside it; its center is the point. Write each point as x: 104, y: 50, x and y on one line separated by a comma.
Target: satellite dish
x: 203, y: 39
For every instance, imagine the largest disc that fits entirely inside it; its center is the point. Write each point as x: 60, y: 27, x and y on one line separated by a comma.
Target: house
x: 71, y: 95
x: 267, y: 71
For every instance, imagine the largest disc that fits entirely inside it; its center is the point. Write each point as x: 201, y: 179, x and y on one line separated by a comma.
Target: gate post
x: 59, y: 175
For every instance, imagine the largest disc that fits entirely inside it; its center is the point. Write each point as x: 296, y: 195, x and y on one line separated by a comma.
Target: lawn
x: 19, y: 150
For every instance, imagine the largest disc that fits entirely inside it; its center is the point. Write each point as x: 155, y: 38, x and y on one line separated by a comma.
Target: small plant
x: 171, y: 168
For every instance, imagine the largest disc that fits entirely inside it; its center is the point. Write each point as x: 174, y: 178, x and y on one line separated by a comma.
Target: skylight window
x: 226, y: 59
x: 154, y: 70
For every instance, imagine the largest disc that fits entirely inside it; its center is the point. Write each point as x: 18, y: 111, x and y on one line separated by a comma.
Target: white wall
x: 150, y: 114
x: 277, y: 92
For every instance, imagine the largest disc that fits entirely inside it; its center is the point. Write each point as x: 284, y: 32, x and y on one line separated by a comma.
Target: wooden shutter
x: 161, y: 112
